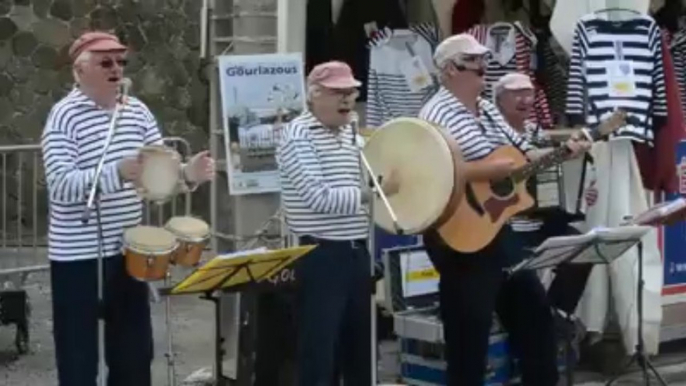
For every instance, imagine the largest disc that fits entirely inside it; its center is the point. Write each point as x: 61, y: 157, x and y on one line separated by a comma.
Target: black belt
x: 357, y: 243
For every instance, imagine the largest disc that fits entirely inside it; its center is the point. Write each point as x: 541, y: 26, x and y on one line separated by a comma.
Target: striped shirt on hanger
x: 320, y: 181
x: 477, y: 137
x: 72, y: 143
x: 512, y: 48
x: 617, y: 65
x: 388, y: 94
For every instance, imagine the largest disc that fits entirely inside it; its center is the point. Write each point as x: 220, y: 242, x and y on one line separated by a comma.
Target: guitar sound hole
x: 502, y: 188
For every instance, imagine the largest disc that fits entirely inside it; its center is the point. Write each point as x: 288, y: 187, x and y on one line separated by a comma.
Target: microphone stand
x: 94, y: 201
x: 371, y: 245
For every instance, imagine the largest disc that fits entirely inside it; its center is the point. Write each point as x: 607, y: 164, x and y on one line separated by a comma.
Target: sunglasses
x: 109, y: 63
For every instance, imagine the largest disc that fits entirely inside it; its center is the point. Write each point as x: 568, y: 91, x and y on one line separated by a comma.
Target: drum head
x: 184, y: 226
x: 149, y: 239
x: 160, y: 176
x: 427, y: 163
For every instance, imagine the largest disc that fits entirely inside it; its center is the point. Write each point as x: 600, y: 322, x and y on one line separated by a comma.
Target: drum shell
x: 191, y: 246
x: 426, y: 158
x: 147, y: 266
x: 147, y: 260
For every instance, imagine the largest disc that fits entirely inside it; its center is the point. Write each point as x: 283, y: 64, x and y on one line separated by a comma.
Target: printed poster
x: 260, y: 94
x: 674, y: 237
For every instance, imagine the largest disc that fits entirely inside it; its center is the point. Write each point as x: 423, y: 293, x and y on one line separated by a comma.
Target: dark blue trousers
x: 471, y: 288
x: 128, y: 328
x: 334, y: 313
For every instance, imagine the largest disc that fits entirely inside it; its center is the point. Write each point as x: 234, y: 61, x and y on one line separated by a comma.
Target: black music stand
x: 254, y: 270
x: 599, y: 246
x: 666, y: 213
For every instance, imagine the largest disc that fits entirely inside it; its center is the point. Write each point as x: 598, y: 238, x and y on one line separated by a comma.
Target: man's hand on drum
x: 391, y: 184
x: 130, y: 168
x: 200, y: 168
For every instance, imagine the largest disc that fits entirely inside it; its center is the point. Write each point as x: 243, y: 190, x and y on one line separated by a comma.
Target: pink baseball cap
x: 333, y: 74
x: 95, y: 42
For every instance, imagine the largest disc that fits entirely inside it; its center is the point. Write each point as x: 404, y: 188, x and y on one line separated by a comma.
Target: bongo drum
x: 427, y: 162
x: 148, y: 251
x: 159, y: 179
x: 192, y: 234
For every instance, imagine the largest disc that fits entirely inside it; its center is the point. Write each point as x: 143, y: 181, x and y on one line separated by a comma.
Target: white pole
x: 372, y: 254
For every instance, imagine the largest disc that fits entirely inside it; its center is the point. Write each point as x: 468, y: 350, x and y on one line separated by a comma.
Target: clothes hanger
x: 610, y: 9
x: 616, y: 9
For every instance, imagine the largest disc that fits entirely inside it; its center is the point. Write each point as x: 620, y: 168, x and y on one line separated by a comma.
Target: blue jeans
x: 334, y: 313
x: 128, y: 329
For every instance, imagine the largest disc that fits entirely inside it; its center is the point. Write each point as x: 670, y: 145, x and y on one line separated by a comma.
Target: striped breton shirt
x: 617, y: 65
x: 533, y: 134
x: 72, y: 143
x: 388, y: 93
x: 320, y: 181
x: 477, y: 137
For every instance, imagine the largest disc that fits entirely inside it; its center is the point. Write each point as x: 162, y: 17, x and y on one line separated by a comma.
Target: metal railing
x: 25, y: 211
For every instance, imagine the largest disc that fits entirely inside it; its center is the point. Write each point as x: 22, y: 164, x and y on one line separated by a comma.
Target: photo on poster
x: 260, y: 94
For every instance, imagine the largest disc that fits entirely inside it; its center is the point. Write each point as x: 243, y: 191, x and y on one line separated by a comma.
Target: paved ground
x: 192, y: 327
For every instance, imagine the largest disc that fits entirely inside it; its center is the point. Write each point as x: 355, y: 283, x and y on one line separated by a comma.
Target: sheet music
x: 660, y: 211
x: 604, y: 253
x: 598, y: 246
x: 243, y: 253
x: 565, y: 241
x: 620, y: 233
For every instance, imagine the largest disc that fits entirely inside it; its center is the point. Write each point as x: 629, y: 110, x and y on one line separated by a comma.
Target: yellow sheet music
x: 227, y: 271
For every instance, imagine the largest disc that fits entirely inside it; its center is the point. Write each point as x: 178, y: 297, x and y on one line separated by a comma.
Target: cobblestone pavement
x: 192, y: 327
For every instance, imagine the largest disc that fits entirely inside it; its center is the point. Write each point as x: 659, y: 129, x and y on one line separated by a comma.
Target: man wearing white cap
x: 473, y: 285
x: 323, y: 200
x: 514, y: 97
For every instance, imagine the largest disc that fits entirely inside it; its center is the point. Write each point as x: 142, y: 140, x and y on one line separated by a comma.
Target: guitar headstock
x: 609, y: 125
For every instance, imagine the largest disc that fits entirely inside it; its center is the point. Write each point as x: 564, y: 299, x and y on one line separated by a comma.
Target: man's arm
x: 299, y: 163
x: 66, y: 182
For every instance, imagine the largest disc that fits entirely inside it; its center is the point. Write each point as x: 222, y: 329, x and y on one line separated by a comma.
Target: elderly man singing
x: 324, y: 200
x: 72, y: 143
x: 473, y: 285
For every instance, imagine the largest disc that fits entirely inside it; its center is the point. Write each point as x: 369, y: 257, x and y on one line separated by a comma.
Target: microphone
x: 124, y: 89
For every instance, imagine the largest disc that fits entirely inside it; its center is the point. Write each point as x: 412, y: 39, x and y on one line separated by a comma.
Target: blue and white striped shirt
x: 478, y: 136
x: 320, y: 181
x: 72, y: 143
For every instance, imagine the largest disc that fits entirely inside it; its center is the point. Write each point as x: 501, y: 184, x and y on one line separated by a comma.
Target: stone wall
x: 164, y: 37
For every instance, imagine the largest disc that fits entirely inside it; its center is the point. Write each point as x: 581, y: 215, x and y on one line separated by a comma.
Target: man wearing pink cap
x: 323, y: 199
x: 73, y: 140
x: 474, y: 285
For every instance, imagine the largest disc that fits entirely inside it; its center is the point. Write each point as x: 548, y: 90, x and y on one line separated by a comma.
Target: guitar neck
x: 546, y: 161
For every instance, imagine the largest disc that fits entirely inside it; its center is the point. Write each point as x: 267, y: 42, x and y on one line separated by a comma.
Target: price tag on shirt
x: 621, y: 78
x: 416, y: 74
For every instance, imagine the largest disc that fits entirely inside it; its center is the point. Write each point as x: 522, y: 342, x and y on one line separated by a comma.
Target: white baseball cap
x: 512, y: 81
x: 456, y: 45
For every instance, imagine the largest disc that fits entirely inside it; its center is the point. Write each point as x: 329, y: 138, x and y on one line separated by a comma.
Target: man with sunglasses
x: 323, y: 199
x: 72, y: 143
x: 473, y: 286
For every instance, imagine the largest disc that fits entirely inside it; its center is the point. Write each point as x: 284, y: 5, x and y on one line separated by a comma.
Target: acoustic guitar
x: 486, y: 206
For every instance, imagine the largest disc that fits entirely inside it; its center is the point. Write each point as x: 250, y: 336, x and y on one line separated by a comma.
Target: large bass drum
x: 428, y: 164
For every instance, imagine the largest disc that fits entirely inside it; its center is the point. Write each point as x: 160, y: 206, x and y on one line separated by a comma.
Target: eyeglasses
x: 343, y: 93
x: 109, y: 63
